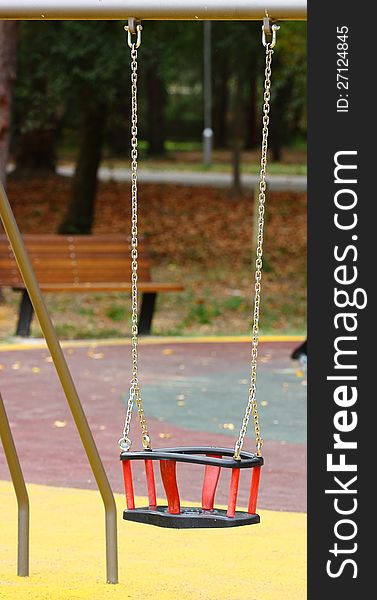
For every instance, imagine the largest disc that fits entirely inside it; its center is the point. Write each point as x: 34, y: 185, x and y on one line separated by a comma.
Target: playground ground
x: 194, y: 391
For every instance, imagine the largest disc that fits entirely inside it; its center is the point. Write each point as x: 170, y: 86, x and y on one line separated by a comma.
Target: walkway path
x: 293, y: 183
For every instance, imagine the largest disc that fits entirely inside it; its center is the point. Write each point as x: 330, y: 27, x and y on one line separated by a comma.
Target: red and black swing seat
x: 174, y: 515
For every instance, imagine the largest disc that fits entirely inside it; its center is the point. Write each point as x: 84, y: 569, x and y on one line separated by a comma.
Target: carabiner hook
x: 269, y: 28
x: 134, y: 27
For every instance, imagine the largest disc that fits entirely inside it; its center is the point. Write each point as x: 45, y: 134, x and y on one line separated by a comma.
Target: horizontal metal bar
x: 153, y: 9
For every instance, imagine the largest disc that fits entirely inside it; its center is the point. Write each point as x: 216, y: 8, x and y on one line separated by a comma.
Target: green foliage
x: 202, y: 312
x: 289, y: 83
x: 58, y: 59
x: 115, y: 312
x: 235, y: 303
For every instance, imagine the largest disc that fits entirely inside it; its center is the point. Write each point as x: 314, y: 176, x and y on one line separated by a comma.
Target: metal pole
x: 207, y: 95
x: 66, y: 380
x: 192, y: 10
x: 20, y: 490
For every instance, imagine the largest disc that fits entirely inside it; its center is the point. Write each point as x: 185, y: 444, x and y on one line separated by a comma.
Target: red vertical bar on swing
x: 128, y: 485
x: 211, y: 478
x: 233, y: 492
x: 169, y: 480
x: 254, y: 486
x: 149, y: 473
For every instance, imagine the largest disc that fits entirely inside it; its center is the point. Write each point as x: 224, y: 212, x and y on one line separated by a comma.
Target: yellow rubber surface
x: 37, y: 344
x: 67, y: 554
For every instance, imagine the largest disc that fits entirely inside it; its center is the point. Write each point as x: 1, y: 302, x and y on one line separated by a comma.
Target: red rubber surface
x: 47, y: 440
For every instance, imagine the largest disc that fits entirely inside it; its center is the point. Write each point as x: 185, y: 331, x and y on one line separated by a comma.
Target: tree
x: 288, y: 98
x: 8, y: 51
x: 95, y: 69
x: 40, y: 92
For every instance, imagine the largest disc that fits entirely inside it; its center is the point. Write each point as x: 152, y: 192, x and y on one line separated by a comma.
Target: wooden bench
x: 86, y: 263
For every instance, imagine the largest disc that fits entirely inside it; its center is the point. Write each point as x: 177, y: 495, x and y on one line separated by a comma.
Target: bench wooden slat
x: 82, y: 264
x: 144, y: 286
x: 45, y: 264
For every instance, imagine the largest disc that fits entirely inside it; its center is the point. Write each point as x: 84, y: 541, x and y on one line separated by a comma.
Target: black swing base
x: 189, y: 517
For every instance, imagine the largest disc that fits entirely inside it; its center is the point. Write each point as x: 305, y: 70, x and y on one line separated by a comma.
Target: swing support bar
x: 67, y: 383
x: 190, y: 10
x: 20, y: 491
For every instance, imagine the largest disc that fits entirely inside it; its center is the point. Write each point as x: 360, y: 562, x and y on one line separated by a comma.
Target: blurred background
x: 64, y: 157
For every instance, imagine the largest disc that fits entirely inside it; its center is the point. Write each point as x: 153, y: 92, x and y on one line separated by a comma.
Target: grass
x: 188, y: 157
x: 198, y: 167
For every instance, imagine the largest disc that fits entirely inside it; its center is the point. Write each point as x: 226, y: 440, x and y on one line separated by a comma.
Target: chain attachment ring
x: 269, y: 29
x: 134, y: 27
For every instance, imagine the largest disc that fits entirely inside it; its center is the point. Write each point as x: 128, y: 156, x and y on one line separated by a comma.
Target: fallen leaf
x: 229, y: 426
x: 36, y: 370
x: 167, y: 351
x: 95, y: 355
x: 164, y: 436
x: 60, y: 424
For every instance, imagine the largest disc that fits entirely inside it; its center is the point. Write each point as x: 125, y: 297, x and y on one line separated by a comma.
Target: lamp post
x: 207, y: 94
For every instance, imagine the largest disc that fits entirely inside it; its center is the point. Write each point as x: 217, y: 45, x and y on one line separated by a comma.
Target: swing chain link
x: 252, y: 406
x: 134, y: 395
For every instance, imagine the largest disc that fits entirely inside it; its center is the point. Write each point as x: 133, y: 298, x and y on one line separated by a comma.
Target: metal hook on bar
x: 134, y: 27
x: 269, y: 29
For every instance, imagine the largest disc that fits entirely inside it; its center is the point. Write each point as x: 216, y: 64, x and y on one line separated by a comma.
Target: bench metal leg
x: 148, y: 303
x: 25, y: 315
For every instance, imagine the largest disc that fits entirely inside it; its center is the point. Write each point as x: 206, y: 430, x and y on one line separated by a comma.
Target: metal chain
x: 134, y: 394
x: 252, y: 406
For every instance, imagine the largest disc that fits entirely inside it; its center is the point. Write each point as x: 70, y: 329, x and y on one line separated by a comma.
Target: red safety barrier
x: 233, y: 492
x: 211, y: 478
x: 128, y: 485
x: 169, y: 479
x: 149, y: 473
x: 254, y: 487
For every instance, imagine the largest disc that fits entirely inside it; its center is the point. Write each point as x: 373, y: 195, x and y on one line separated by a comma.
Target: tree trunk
x: 8, y: 56
x: 36, y: 152
x: 80, y: 212
x: 156, y: 102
